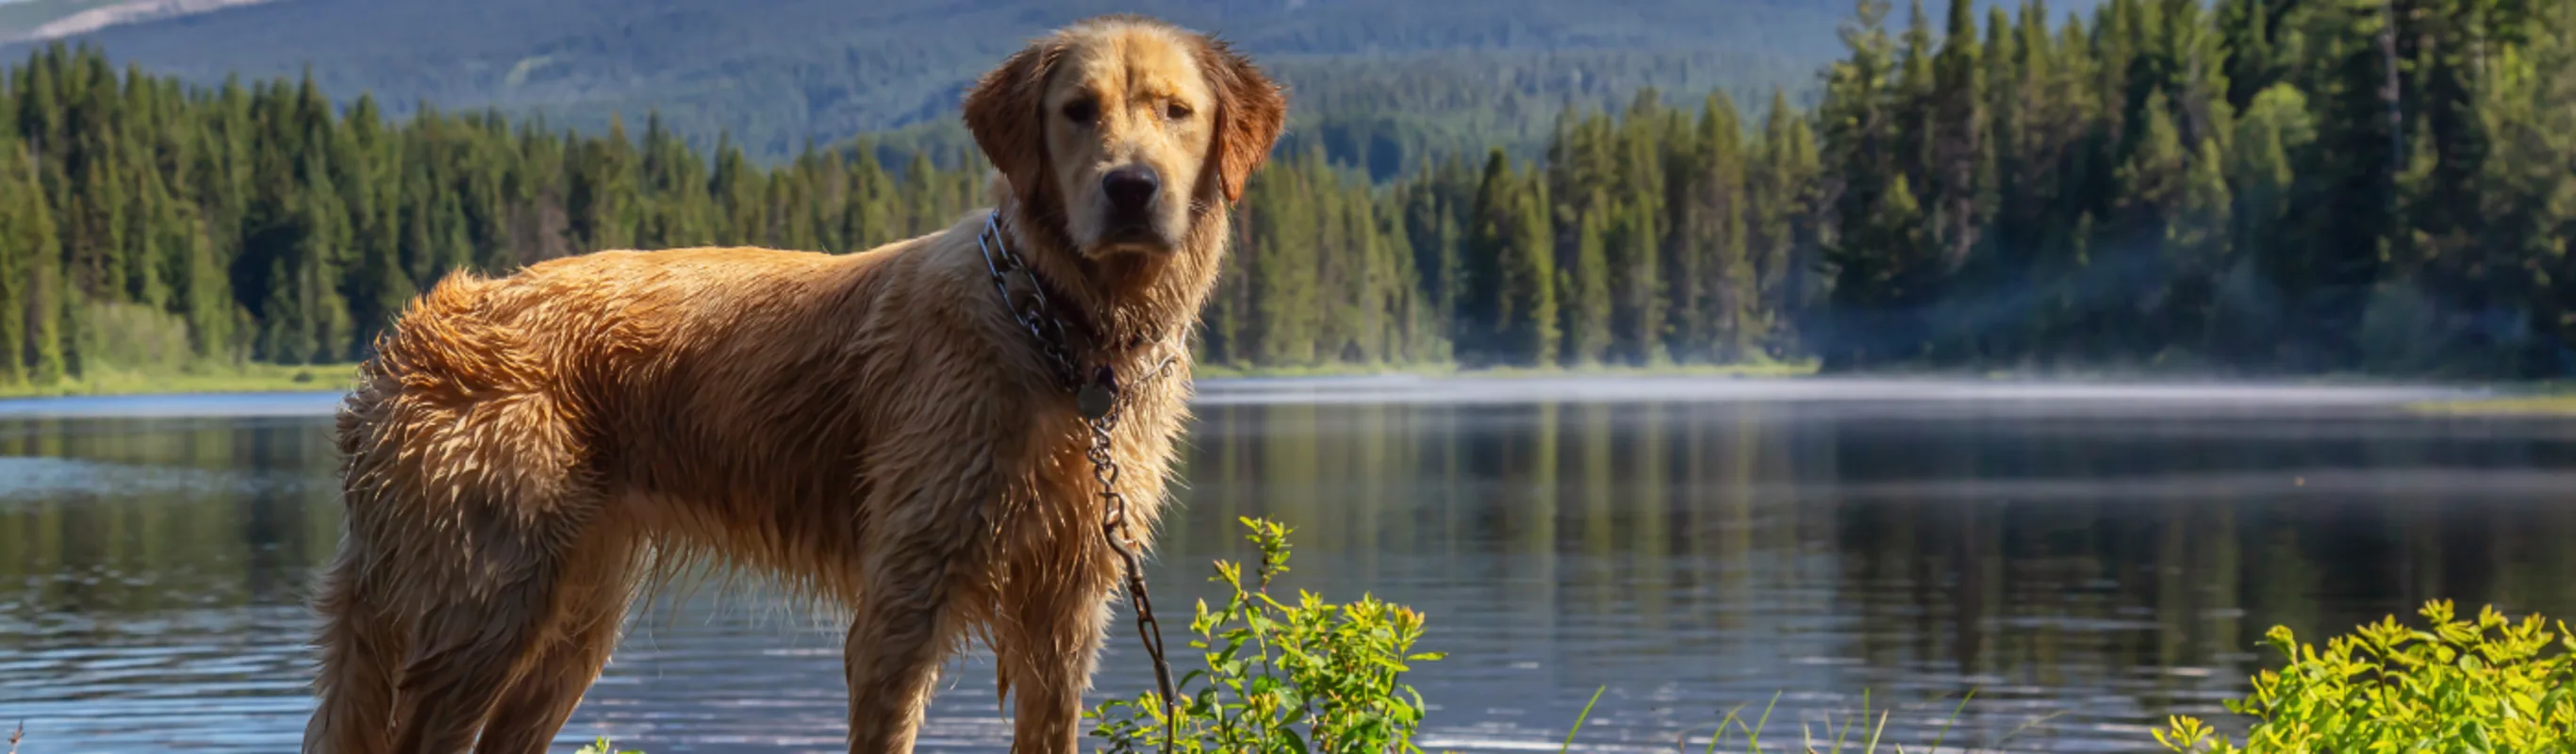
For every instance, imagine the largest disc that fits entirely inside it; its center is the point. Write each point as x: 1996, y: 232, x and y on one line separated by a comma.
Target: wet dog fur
x: 524, y: 453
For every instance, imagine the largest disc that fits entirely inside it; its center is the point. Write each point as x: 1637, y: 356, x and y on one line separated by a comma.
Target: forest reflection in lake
x: 2086, y: 564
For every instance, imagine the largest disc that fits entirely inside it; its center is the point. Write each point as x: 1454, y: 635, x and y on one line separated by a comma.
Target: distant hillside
x: 1385, y: 113
x: 777, y: 73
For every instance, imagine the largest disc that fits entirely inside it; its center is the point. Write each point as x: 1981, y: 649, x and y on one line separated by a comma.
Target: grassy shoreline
x: 248, y: 378
x: 2535, y: 398
x: 2524, y: 399
x: 2542, y: 404
x: 282, y: 378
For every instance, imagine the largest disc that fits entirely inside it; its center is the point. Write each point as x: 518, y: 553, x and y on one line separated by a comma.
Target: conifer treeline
x: 2263, y: 185
x: 1659, y: 235
x: 146, y: 224
x: 2280, y: 185
x: 2296, y: 185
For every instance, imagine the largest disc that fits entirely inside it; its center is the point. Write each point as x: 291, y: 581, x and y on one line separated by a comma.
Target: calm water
x: 2086, y: 559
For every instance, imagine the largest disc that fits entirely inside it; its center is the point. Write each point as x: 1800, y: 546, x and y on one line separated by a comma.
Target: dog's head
x: 1122, y: 133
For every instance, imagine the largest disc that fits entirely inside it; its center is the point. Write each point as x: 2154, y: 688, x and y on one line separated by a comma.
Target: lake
x: 2085, y: 559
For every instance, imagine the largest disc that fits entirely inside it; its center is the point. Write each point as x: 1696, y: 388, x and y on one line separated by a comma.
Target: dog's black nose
x: 1129, y: 189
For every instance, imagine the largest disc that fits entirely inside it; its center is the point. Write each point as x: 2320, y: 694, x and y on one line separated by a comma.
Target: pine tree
x: 1528, y: 312
x: 2529, y: 184
x: 1780, y: 223
x: 1878, y: 285
x: 2197, y: 239
x: 2354, y: 216
x: 1585, y: 299
x: 47, y: 297
x: 2151, y: 187
x: 1727, y: 309
x: 2250, y: 34
x: 21, y: 206
x: 1483, y: 303
x: 1958, y: 132
x: 2261, y: 174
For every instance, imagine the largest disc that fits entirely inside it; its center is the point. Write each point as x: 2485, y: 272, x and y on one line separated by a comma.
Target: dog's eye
x: 1176, y: 111
x: 1081, y: 111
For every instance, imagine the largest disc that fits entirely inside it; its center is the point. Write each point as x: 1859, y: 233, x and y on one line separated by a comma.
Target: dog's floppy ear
x: 1249, y: 112
x: 1005, y: 113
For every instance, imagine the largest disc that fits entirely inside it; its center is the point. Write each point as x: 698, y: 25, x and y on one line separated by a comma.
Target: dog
x: 900, y: 432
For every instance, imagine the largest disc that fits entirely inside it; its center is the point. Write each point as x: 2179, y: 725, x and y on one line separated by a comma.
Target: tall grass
x: 1839, y: 738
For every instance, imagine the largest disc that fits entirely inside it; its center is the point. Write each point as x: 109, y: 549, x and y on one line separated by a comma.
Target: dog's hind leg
x: 487, y: 581
x: 359, y: 651
x: 467, y: 647
x: 591, y: 600
x: 475, y: 634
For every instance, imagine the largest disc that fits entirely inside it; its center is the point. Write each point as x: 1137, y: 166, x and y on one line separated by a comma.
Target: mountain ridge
x: 776, y: 75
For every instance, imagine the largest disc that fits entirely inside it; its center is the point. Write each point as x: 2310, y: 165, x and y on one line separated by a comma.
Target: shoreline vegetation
x: 251, y: 377
x: 2561, y: 403
x: 2550, y: 398
x: 279, y: 378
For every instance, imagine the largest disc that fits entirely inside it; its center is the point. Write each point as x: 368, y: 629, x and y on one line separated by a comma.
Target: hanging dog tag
x: 1097, y: 395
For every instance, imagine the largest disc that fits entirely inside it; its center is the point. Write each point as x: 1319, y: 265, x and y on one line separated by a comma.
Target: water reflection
x: 2085, y: 572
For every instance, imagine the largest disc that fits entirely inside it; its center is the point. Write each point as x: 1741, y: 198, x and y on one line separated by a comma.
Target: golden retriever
x: 877, y: 430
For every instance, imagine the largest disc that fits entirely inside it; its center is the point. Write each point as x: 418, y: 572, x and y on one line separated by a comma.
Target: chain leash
x: 1104, y: 467
x: 1097, y: 398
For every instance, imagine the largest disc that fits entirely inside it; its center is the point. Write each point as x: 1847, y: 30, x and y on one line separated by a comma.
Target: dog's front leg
x: 1049, y: 638
x: 924, y: 544
x: 892, y: 656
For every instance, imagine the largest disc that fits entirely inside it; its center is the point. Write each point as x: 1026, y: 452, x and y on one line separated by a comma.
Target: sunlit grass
x: 246, y: 378
x: 1863, y: 732
x: 2525, y: 405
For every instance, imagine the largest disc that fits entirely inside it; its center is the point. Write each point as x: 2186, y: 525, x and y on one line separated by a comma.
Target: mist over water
x: 1888, y: 395
x: 2086, y: 557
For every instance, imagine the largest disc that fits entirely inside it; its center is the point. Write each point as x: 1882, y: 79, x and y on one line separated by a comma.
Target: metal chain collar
x: 1039, y: 317
x: 1097, y: 399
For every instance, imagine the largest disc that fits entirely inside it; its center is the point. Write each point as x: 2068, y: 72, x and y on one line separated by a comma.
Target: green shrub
x: 2492, y: 685
x: 602, y: 746
x: 133, y: 337
x: 1278, y: 677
